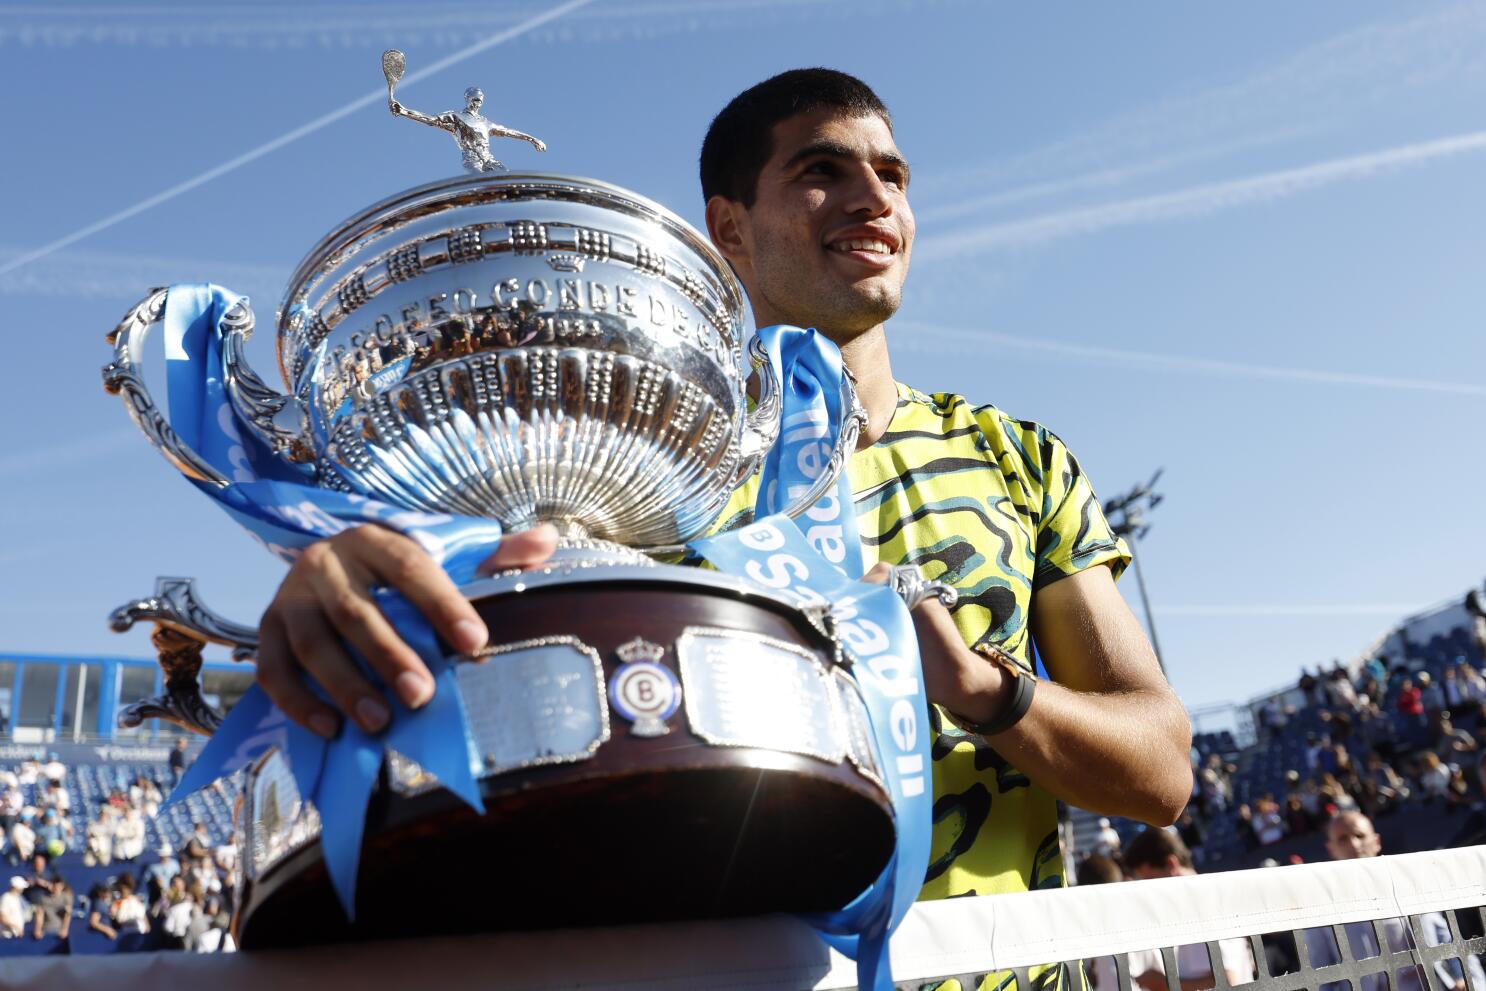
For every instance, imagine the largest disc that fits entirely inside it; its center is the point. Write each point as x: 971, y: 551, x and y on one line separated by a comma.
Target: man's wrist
x: 993, y: 711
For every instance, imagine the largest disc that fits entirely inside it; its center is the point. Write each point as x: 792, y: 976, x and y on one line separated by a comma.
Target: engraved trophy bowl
x: 522, y: 347
x: 651, y: 741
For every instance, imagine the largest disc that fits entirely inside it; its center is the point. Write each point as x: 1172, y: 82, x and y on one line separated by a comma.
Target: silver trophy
x: 539, y: 348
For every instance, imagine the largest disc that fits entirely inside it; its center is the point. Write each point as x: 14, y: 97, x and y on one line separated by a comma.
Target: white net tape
x: 1254, y: 921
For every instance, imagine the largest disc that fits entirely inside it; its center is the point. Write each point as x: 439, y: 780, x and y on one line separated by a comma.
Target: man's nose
x: 869, y: 195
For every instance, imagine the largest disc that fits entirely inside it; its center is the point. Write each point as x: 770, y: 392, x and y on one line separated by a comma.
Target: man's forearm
x: 1115, y: 753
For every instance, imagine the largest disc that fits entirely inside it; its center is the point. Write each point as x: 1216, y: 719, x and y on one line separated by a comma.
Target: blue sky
x: 1244, y: 243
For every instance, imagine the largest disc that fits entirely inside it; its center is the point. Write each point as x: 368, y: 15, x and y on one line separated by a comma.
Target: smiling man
x: 807, y: 198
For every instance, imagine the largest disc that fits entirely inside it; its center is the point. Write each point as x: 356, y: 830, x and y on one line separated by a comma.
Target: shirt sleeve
x: 1072, y: 533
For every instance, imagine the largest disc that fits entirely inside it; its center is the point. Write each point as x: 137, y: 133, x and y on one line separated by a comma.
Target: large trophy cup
x: 653, y: 741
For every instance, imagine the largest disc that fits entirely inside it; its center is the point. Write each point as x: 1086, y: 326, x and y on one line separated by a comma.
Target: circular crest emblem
x: 645, y: 693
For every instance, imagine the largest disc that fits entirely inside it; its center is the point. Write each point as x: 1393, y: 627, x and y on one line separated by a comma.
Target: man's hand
x: 326, y: 598
x: 955, y: 677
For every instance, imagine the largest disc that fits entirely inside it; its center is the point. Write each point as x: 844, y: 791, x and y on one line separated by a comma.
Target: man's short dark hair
x: 741, y: 138
x: 1151, y: 848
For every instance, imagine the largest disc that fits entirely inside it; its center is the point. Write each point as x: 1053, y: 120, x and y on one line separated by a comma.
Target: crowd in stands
x: 1378, y: 739
x: 102, y: 865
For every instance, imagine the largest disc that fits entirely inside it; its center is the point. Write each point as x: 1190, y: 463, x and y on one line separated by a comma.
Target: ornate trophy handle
x: 276, y: 419
x: 762, y: 430
x: 183, y: 626
x: 273, y: 417
x: 122, y: 378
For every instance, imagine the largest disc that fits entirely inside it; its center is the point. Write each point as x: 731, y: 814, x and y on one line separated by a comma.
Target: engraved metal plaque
x: 861, y: 748
x: 278, y: 822
x: 748, y: 690
x: 535, y: 702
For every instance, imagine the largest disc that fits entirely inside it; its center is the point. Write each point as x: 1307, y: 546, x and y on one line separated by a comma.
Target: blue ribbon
x: 274, y: 501
x: 822, y: 565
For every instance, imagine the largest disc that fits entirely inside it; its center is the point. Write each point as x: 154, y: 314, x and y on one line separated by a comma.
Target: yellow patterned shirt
x: 999, y: 509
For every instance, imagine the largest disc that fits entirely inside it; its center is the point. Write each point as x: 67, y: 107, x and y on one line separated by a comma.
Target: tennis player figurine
x: 470, y: 129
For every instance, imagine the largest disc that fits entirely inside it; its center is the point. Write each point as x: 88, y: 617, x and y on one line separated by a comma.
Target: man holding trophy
x: 807, y: 200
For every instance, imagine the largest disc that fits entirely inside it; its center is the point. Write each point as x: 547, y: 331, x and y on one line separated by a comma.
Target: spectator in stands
x: 199, y: 845
x: 1430, y: 693
x: 1308, y: 685
x: 1268, y: 823
x: 52, y: 910
x: 1339, y: 691
x: 1351, y: 836
x: 225, y: 857
x: 1159, y: 853
x: 204, y: 876
x: 1472, y: 685
x: 129, y: 836
x: 1453, y: 744
x: 100, y: 900
x: 209, y: 927
x: 11, y: 801
x: 177, y: 761
x: 99, y: 838
x: 178, y: 912
x: 128, y: 912
x: 55, y: 796
x: 1473, y: 831
x: 28, y: 772
x: 1410, y: 701
x: 53, y: 835
x: 1387, y: 787
x: 1475, y: 604
x: 1334, y: 797
x: 149, y: 797
x: 53, y: 769
x: 157, y: 876
x: 1434, y: 776
x: 23, y: 837
x: 13, y: 909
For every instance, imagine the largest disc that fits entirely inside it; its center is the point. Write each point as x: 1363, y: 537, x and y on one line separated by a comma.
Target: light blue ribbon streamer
x: 811, y: 373
x: 272, y: 500
x: 821, y: 564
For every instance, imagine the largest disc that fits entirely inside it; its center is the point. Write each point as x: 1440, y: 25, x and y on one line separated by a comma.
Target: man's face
x: 1351, y: 837
x: 827, y: 240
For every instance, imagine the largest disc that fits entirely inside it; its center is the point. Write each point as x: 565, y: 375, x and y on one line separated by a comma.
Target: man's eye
x: 891, y: 177
x: 820, y: 168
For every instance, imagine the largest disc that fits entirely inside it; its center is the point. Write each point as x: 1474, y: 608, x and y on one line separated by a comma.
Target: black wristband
x: 1023, y: 685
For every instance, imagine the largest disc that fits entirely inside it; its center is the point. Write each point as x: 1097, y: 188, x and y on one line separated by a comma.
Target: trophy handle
x: 762, y: 430
x: 276, y: 419
x: 183, y: 626
x: 122, y: 378
x: 769, y: 411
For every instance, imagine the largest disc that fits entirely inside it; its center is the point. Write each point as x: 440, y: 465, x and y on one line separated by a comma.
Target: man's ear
x: 726, y: 224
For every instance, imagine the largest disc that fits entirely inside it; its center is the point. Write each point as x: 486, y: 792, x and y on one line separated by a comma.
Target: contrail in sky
x: 1292, y: 609
x: 1194, y: 202
x: 289, y: 137
x: 1175, y: 363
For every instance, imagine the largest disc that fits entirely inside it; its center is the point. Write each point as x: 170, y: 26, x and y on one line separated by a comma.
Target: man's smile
x: 870, y: 245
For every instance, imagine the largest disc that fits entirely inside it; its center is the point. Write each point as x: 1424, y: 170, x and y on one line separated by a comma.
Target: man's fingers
x: 278, y: 676
x: 523, y: 549
x: 319, y: 651
x: 400, y: 562
x: 346, y: 601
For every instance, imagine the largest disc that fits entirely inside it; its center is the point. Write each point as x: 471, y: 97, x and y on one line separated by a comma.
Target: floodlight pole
x: 1126, y: 514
